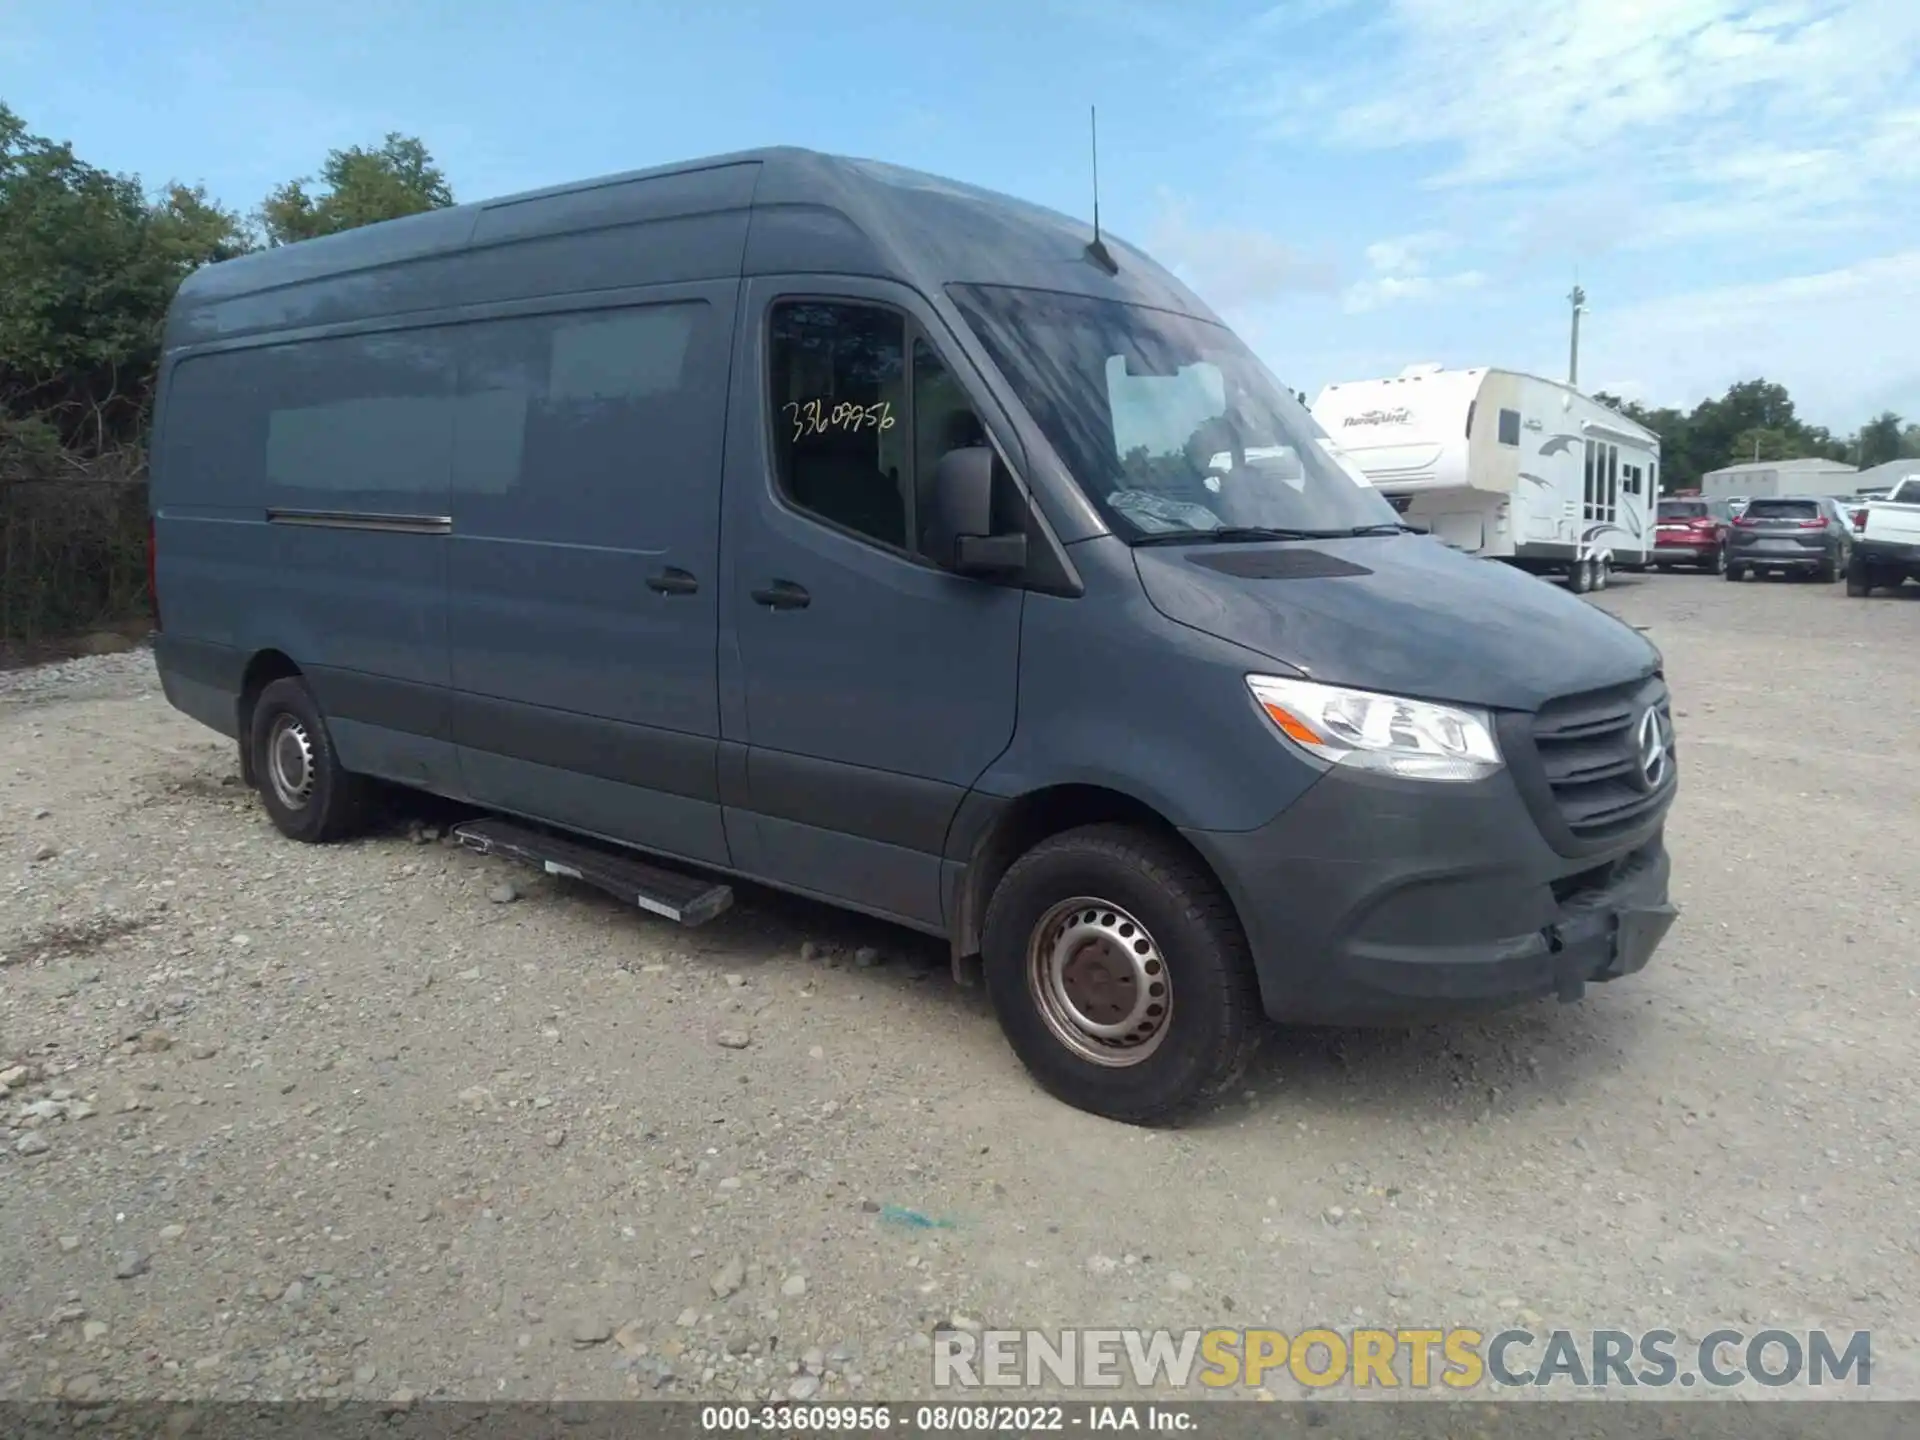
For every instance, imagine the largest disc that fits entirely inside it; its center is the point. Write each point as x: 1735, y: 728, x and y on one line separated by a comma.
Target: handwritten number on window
x: 817, y: 417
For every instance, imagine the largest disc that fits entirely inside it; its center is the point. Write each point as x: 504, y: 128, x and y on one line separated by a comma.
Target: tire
x: 1718, y: 564
x: 1580, y: 577
x: 307, y: 793
x: 1664, y: 569
x: 1829, y: 571
x: 1735, y: 573
x: 1121, y: 888
x: 1602, y: 574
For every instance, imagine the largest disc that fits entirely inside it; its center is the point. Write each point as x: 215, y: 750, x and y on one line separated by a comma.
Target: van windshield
x: 1170, y: 424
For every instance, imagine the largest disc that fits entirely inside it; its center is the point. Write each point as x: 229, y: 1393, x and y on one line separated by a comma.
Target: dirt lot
x: 332, y: 1122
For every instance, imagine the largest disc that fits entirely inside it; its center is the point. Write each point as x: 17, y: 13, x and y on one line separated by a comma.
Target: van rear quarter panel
x: 326, y: 377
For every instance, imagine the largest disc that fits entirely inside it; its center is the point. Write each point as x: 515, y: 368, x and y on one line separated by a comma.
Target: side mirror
x: 960, y: 530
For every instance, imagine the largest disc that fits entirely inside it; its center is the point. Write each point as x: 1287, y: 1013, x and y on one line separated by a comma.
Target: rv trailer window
x: 1603, y: 481
x: 1509, y: 427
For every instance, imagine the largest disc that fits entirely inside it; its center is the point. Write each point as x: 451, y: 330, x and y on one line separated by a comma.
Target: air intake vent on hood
x: 1279, y: 564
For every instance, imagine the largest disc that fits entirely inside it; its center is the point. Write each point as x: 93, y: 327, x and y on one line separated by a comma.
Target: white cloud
x: 1715, y: 114
x: 1232, y: 268
x: 1401, y: 271
x: 1840, y: 340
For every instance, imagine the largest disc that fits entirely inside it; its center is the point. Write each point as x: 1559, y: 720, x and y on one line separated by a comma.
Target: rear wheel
x: 308, y: 794
x: 1716, y: 563
x: 1829, y: 570
x: 1602, y: 574
x: 1580, y: 577
x: 1120, y: 973
x: 1734, y: 572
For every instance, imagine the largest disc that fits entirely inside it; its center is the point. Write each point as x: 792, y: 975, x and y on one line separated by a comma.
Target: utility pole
x: 1579, y: 301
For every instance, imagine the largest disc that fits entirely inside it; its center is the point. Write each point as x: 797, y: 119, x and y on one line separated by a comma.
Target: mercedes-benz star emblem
x: 1654, y: 750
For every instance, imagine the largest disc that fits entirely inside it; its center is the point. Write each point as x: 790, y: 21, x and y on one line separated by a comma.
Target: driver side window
x: 863, y: 409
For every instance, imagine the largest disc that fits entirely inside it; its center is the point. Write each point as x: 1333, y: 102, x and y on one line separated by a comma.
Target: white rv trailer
x: 1505, y: 465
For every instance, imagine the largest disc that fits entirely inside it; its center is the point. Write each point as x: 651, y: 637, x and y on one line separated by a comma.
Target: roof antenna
x: 1097, y: 250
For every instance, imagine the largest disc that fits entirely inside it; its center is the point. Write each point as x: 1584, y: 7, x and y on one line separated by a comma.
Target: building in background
x: 1885, y: 477
x: 1780, y: 477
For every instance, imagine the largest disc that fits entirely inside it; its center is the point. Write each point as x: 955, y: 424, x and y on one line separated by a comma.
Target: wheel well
x: 262, y: 670
x: 1023, y: 825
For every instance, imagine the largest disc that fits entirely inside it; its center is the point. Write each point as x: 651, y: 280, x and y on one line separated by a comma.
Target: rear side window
x: 1783, y: 510
x: 359, y: 423
x: 1509, y: 427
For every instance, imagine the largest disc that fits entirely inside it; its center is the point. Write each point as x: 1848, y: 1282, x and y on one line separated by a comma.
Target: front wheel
x: 308, y: 794
x: 1120, y: 973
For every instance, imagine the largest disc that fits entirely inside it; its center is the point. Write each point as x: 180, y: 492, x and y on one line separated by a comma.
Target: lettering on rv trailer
x: 1400, y: 416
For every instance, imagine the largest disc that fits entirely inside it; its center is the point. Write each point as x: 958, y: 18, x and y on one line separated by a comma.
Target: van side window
x: 354, y: 418
x: 566, y: 417
x: 841, y: 418
x: 1509, y: 427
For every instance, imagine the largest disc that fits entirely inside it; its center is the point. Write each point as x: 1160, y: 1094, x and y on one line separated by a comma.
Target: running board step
x: 686, y: 899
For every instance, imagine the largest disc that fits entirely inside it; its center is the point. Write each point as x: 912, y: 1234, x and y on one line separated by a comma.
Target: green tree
x: 88, y: 265
x: 1755, y: 419
x: 1880, y: 439
x: 1761, y: 443
x: 361, y: 187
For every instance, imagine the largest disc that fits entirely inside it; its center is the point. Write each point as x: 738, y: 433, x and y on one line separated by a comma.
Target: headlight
x: 1357, y: 728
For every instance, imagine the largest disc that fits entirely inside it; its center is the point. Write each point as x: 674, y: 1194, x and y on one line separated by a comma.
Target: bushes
x: 73, y: 535
x: 89, y: 261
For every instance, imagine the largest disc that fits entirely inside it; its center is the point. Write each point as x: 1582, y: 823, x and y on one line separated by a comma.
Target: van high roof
x: 772, y: 211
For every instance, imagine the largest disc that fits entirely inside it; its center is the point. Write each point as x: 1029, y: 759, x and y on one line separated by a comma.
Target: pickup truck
x: 1886, y: 546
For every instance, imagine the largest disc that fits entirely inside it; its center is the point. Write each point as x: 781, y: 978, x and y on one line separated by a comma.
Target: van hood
x: 1401, y: 613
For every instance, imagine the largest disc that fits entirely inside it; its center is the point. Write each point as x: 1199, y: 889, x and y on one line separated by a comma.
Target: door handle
x: 783, y: 595
x: 672, y: 581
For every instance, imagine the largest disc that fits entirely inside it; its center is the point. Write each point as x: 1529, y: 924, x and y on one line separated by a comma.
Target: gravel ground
x: 350, y: 1122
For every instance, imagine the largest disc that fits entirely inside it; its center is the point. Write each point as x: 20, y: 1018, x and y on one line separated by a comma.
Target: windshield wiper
x: 1229, y: 534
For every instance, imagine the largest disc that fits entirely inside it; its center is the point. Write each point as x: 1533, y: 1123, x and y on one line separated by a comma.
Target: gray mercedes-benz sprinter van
x: 897, y: 543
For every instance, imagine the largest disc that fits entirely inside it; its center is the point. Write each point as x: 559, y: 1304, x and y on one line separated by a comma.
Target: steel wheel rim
x: 290, y: 767
x: 1099, y: 982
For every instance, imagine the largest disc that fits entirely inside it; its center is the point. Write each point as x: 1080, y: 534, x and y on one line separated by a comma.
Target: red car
x: 1692, y: 532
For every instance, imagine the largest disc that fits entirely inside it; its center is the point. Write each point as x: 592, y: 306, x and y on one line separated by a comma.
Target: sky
x: 1355, y: 185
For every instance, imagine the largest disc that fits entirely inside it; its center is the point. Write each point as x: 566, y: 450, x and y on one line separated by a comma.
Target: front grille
x: 1589, y: 756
